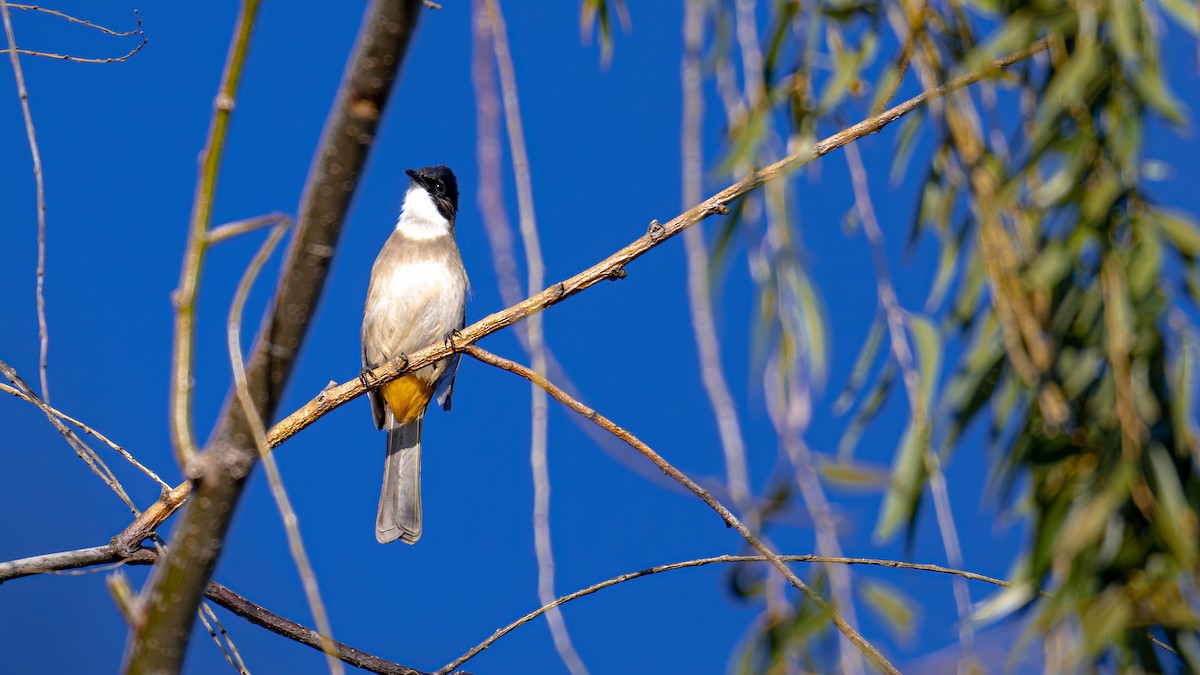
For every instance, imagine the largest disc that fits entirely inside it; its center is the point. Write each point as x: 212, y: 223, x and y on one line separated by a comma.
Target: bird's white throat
x: 420, y: 218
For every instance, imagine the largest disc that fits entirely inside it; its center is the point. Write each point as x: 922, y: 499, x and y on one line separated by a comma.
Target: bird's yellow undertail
x: 407, y: 398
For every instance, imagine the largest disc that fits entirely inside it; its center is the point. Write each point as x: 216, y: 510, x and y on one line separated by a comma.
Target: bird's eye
x: 441, y: 187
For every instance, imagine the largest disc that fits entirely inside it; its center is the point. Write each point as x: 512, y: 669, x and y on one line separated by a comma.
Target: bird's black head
x: 439, y: 182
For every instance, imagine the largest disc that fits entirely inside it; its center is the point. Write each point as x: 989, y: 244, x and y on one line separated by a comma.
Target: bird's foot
x: 367, y: 379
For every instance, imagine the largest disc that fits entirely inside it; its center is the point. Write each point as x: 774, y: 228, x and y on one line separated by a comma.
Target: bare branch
x: 221, y: 595
x: 85, y: 452
x: 90, y: 431
x: 62, y: 15
x: 287, y: 514
x: 895, y: 318
x: 198, y: 237
x: 36, y: 155
x: 239, y: 227
x: 731, y: 520
x: 536, y: 274
x: 659, y: 569
x: 82, y: 59
x: 72, y: 560
x: 261, y: 616
x: 613, y: 267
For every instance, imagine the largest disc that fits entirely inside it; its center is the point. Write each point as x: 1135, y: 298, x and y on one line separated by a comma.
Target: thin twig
x: 237, y: 228
x: 287, y: 514
x: 699, y: 294
x: 228, y: 645
x: 193, y: 258
x: 901, y: 69
x: 72, y: 19
x: 535, y: 269
x: 490, y: 198
x: 31, y: 135
x: 90, y: 431
x: 659, y: 569
x: 83, y: 450
x: 731, y: 520
x: 222, y: 641
x: 80, y: 59
x: 895, y: 318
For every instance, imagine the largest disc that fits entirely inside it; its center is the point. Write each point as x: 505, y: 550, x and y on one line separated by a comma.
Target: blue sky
x: 119, y: 145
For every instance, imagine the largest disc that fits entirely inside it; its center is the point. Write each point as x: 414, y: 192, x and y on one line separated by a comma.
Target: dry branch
x: 39, y: 180
x: 613, y: 267
x: 731, y: 520
x: 701, y: 562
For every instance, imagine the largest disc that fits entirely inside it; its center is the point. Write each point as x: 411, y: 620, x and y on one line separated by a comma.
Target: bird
x: 416, y: 297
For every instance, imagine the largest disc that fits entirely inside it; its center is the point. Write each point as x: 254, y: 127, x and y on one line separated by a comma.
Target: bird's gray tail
x: 400, y: 502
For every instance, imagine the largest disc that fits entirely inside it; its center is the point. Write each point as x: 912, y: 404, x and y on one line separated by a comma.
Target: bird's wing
x: 445, y: 386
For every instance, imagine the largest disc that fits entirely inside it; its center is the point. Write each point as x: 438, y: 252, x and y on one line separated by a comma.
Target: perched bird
x: 417, y: 296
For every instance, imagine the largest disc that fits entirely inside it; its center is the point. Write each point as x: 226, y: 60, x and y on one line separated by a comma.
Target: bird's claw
x: 366, y: 378
x: 451, y: 337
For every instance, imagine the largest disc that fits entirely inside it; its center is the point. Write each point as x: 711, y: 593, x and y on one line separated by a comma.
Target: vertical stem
x: 183, y: 359
x: 36, y: 155
x: 537, y: 348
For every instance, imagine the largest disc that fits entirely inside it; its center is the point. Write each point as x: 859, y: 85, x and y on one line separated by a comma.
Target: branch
x: 223, y: 596
x: 86, y: 430
x: 85, y: 452
x: 36, y: 155
x: 613, y: 267
x: 198, y: 239
x: 731, y: 520
x: 474, y: 651
x: 221, y: 471
x: 73, y: 560
x: 536, y: 277
x: 261, y: 616
x: 72, y: 19
x: 287, y: 514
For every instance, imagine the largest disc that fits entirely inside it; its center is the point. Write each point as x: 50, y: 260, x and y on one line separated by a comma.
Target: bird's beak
x: 413, y: 175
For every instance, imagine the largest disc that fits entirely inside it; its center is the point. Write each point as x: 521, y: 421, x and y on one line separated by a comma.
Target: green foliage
x: 1063, y: 293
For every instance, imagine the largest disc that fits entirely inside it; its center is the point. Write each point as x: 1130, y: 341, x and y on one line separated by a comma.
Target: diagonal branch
x: 731, y: 520
x: 220, y: 472
x: 613, y: 267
